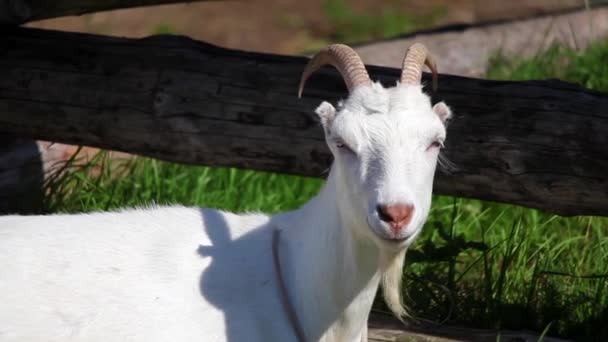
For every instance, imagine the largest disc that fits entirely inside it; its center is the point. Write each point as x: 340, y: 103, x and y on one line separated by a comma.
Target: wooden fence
x: 541, y: 144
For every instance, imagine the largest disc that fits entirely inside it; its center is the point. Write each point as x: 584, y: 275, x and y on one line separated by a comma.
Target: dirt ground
x: 288, y: 26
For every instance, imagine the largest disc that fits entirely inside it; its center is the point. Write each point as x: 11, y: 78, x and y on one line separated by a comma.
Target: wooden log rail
x: 541, y: 144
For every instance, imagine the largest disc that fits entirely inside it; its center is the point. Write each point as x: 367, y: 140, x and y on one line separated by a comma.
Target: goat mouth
x: 395, y: 239
x: 389, y: 239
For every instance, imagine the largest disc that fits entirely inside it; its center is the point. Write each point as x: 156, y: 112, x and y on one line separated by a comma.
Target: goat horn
x: 344, y: 59
x: 415, y: 57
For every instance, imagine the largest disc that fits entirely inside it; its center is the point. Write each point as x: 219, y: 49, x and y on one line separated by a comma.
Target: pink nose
x: 396, y: 215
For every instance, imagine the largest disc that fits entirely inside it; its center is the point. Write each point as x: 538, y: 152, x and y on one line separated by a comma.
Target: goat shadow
x: 243, y: 266
x: 21, y: 176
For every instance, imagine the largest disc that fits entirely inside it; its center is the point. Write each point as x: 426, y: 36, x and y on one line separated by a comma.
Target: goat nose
x: 397, y: 215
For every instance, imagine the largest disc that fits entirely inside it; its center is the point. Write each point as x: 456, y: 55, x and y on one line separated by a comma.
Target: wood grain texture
x: 541, y: 144
x: 15, y: 12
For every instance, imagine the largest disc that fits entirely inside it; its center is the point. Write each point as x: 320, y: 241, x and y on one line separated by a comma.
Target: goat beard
x: 392, y: 279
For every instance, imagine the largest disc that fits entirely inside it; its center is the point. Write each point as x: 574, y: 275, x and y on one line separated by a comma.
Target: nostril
x: 398, y: 214
x: 383, y: 213
x: 406, y: 211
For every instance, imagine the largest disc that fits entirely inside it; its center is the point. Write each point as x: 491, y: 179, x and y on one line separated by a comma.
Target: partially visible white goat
x: 186, y: 274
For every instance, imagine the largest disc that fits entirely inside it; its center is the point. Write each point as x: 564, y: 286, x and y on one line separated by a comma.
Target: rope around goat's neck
x: 287, y: 305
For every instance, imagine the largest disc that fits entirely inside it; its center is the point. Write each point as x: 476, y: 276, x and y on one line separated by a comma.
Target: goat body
x: 141, y: 275
x: 186, y: 274
x: 182, y: 274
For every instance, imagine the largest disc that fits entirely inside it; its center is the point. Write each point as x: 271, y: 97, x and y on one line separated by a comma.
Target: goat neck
x: 331, y: 274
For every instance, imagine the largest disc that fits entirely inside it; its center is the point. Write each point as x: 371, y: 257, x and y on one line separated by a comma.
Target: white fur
x: 187, y: 274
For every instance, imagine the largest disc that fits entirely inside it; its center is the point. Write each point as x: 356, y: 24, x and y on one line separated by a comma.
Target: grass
x: 345, y: 24
x: 498, y: 266
x: 588, y: 68
x: 388, y: 20
x: 103, y: 183
x: 477, y: 263
x: 164, y: 29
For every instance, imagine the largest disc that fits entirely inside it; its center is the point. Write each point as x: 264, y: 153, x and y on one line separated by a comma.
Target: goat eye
x: 342, y: 146
x: 436, y: 144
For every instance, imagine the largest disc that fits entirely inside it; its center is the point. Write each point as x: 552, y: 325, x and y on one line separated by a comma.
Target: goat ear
x: 326, y: 112
x: 443, y: 111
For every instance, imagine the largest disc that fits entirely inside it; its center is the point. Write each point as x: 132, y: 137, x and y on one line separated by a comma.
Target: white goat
x: 189, y: 274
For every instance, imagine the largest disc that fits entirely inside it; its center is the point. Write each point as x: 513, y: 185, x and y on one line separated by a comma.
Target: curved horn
x: 344, y: 59
x: 415, y: 57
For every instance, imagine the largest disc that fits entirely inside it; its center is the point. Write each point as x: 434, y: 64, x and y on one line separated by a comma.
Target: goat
x: 192, y: 274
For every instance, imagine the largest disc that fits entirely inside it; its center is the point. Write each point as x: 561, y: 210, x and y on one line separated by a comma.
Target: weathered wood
x: 541, y: 144
x: 14, y: 12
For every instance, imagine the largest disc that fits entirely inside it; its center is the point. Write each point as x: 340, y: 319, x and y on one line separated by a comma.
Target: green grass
x: 498, y: 266
x: 164, y: 29
x: 104, y: 184
x: 477, y: 263
x: 344, y: 23
x: 388, y: 20
x: 588, y: 68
